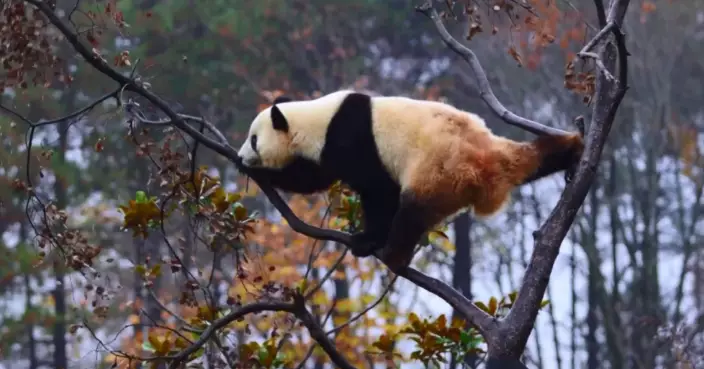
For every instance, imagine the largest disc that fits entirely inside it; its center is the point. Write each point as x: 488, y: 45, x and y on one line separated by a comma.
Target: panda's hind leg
x: 415, y: 216
x: 379, y: 209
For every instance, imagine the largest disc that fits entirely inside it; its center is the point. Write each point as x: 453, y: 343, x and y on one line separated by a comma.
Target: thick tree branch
x: 600, y: 13
x: 509, y: 340
x: 609, y: 93
x: 476, y: 316
x: 485, y: 90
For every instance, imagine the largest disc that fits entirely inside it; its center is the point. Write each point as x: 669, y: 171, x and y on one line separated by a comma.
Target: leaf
x: 474, y: 28
x: 155, y: 270
x: 512, y: 296
x: 481, y: 305
x: 73, y: 328
x: 514, y: 54
x: 240, y: 212
x: 140, y: 197
x: 465, y: 338
x: 147, y: 346
x: 263, y: 354
x: 140, y: 270
x: 493, y: 304
x: 544, y: 303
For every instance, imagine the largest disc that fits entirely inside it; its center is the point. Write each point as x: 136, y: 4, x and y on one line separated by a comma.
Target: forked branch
x: 509, y: 340
x: 485, y: 90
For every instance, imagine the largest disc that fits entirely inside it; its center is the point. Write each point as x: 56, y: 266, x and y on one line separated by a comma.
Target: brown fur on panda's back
x: 450, y: 158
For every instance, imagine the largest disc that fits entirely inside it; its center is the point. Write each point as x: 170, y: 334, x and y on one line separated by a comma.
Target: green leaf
x: 140, y: 197
x: 147, y: 346
x: 512, y: 296
x: 465, y: 338
x: 140, y: 269
x: 481, y: 305
x: 263, y: 354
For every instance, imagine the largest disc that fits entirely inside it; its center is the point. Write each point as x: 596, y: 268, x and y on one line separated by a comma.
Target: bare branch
x: 297, y: 308
x: 485, y: 90
x: 132, y: 109
x: 224, y: 321
x: 600, y: 13
x: 318, y: 334
x: 599, y: 63
x: 366, y: 310
x: 89, y: 107
x: 327, y: 275
x: 586, y: 50
x: 599, y: 36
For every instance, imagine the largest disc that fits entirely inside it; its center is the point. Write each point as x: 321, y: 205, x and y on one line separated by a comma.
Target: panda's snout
x: 251, y: 161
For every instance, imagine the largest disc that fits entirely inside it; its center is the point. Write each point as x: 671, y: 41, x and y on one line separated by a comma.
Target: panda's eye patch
x: 253, y: 141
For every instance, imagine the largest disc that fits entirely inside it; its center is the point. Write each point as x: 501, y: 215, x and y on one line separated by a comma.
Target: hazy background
x: 631, y: 266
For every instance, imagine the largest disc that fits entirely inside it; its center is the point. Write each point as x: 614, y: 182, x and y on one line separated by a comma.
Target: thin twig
x: 224, y: 321
x: 486, y: 92
x: 586, y: 50
x: 327, y: 275
x: 366, y: 310
x: 183, y: 321
x: 316, y: 331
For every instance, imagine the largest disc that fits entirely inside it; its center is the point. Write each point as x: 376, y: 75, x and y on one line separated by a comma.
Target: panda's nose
x: 251, y: 161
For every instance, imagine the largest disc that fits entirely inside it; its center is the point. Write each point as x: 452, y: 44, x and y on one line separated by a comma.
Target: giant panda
x: 412, y: 162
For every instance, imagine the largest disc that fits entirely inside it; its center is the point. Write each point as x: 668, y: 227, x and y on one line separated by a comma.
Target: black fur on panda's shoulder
x: 350, y: 149
x: 350, y: 154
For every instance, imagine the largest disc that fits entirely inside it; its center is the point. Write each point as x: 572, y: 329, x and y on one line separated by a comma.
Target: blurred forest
x: 627, y: 290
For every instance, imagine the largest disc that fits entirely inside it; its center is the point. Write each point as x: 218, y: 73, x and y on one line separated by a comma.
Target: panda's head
x: 268, y: 143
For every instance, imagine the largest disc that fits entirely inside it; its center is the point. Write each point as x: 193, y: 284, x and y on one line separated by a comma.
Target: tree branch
x: 600, y: 13
x: 509, y: 341
x: 318, y: 334
x: 586, y: 50
x: 296, y: 308
x: 129, y: 83
x: 224, y: 321
x: 609, y: 93
x: 485, y: 90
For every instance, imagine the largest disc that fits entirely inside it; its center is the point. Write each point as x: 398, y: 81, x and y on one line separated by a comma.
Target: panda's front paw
x: 364, y: 245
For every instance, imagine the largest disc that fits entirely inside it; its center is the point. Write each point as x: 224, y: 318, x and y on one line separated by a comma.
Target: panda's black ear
x: 282, y: 99
x: 278, y: 120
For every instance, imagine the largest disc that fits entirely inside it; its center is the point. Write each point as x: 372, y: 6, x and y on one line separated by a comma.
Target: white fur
x: 407, y: 132
x: 308, y: 123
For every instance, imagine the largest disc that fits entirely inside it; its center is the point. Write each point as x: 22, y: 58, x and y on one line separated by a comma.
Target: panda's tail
x: 551, y: 154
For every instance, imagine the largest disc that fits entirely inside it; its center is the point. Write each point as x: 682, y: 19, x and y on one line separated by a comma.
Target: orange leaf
x: 514, y: 54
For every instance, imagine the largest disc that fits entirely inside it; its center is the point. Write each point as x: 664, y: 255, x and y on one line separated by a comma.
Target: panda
x: 412, y: 162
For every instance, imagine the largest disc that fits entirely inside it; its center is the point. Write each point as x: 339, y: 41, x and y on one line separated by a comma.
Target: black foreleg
x: 300, y: 176
x: 379, y: 210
